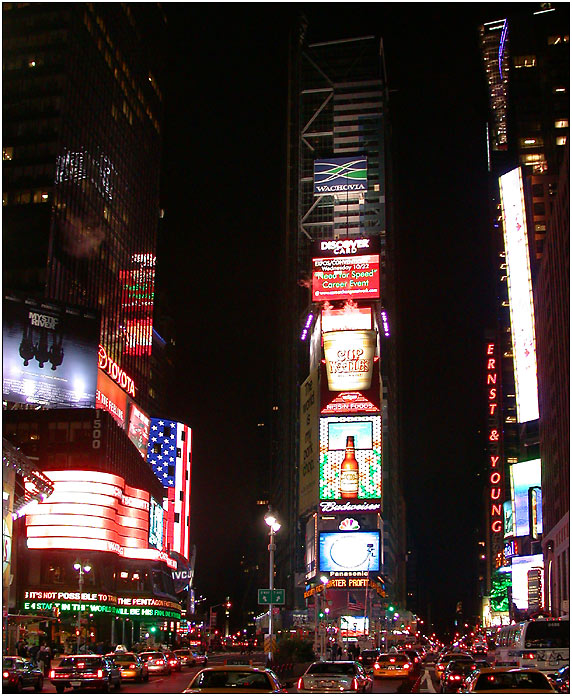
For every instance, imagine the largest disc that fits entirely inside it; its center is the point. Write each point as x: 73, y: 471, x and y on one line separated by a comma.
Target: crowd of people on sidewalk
x: 40, y: 654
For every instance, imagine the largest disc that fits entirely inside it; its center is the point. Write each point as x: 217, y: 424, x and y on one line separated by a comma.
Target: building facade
x: 336, y: 228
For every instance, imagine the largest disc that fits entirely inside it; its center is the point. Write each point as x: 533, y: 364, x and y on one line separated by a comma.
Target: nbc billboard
x: 340, y: 175
x: 346, y: 269
x: 366, y: 434
x: 520, y: 295
x: 49, y: 353
x: 349, y: 551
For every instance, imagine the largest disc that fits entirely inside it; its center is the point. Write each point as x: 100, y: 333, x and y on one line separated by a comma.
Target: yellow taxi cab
x: 235, y: 679
x: 392, y: 665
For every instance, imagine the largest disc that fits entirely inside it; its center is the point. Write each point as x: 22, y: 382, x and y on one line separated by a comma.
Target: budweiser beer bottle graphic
x: 349, y: 471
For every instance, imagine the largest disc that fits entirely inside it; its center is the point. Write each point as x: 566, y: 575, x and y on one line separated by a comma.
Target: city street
x: 178, y: 681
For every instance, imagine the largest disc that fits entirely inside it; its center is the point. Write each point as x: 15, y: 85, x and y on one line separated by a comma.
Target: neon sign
x: 494, y: 437
x: 105, y: 363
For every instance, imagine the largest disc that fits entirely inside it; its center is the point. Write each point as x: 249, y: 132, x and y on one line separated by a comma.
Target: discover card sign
x: 346, y: 269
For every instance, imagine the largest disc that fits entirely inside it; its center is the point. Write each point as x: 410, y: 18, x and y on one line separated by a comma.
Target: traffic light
x: 391, y: 608
x: 153, y: 629
x: 321, y: 614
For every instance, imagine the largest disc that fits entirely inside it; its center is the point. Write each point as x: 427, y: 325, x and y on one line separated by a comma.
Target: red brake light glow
x: 132, y: 666
x: 376, y: 665
x: 406, y: 665
x: 52, y: 673
x: 99, y: 673
x: 392, y: 659
x: 300, y: 684
x: 355, y: 683
x: 5, y: 675
x: 529, y: 656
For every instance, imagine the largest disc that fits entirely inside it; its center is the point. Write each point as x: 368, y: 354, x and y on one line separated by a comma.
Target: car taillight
x: 528, y: 656
x: 376, y: 666
x: 5, y: 675
x: 52, y: 673
x: 300, y: 684
x: 454, y: 677
x: 406, y: 665
x: 392, y: 659
x: 132, y: 666
x: 99, y: 673
x: 355, y: 684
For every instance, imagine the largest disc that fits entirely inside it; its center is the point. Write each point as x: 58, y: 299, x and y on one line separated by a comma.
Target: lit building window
x: 7, y: 153
x: 561, y: 140
x: 525, y: 61
x: 531, y: 142
x: 561, y: 123
x: 559, y: 90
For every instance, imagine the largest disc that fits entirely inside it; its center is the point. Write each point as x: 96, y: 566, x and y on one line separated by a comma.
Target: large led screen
x: 524, y: 476
x: 366, y: 431
x: 49, y: 354
x: 155, y: 524
x: 340, y: 175
x: 138, y: 431
x: 521, y: 565
x: 349, y: 551
x: 346, y: 269
x: 520, y: 295
x: 111, y: 398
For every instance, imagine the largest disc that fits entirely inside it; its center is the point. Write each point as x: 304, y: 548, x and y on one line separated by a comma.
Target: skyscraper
x: 526, y: 62
x: 82, y: 139
x: 336, y: 207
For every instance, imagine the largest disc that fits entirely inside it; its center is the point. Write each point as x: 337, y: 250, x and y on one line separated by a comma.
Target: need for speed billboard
x: 49, y: 353
x: 340, y: 175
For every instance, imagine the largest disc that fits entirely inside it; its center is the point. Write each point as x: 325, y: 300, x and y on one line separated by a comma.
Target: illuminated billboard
x: 524, y: 478
x: 340, y: 175
x: 155, y: 524
x: 520, y: 295
x: 366, y: 434
x: 349, y: 317
x: 346, y: 269
x: 111, y: 398
x: 521, y: 579
x: 138, y: 430
x: 309, y: 448
x: 350, y: 401
x: 349, y: 359
x: 349, y: 551
x: 49, y: 353
x: 138, y: 285
x: 93, y: 511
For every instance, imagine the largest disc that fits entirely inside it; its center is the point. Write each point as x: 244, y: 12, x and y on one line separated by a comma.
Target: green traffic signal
x: 153, y: 629
x: 391, y: 608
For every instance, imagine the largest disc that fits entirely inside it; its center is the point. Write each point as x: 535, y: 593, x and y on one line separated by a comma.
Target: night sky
x: 219, y: 255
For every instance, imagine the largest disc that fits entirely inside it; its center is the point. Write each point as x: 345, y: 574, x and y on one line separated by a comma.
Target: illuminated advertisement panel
x: 138, y: 283
x: 346, y: 319
x: 156, y: 524
x: 524, y: 476
x: 340, y: 175
x: 111, y: 398
x: 70, y: 600
x: 311, y: 533
x: 349, y: 359
x: 349, y: 551
x: 138, y: 431
x: 520, y: 295
x: 366, y: 434
x: 352, y: 401
x: 309, y: 448
x: 521, y: 565
x: 94, y: 511
x: 346, y: 269
x: 49, y: 354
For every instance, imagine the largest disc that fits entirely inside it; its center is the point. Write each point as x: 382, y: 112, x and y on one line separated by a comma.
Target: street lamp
x: 81, y: 568
x: 274, y: 525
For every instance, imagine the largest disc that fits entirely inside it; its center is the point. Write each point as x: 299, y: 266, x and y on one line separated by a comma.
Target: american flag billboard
x: 170, y: 454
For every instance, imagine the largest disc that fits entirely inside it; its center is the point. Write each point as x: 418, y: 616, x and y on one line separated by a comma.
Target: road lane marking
x: 429, y: 682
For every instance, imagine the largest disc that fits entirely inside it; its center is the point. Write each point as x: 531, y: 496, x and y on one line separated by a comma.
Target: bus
x: 543, y: 644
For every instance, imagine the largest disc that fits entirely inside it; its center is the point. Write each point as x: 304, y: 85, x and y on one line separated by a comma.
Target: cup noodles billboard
x: 349, y: 359
x: 49, y: 353
x: 346, y: 269
x: 351, y: 401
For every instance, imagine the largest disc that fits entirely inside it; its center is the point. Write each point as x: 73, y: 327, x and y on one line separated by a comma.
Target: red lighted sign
x: 110, y: 367
x: 494, y: 436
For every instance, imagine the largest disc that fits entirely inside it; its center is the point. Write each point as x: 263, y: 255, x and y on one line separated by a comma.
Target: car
x: 234, y: 679
x: 156, y: 662
x: 507, y: 680
x: 367, y: 657
x: 561, y: 680
x: 455, y: 675
x: 186, y: 657
x: 173, y: 660
x: 200, y: 658
x: 81, y: 671
x: 389, y: 665
x: 335, y: 676
x: 19, y: 673
x: 131, y: 666
x: 414, y: 657
x: 444, y: 660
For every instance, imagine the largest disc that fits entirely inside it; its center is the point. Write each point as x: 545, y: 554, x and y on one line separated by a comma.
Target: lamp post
x: 81, y: 569
x: 274, y: 525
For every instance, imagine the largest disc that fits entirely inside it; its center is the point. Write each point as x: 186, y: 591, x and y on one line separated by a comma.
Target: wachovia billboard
x: 340, y: 175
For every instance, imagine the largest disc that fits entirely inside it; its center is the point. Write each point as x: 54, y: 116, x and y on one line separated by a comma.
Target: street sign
x: 271, y: 596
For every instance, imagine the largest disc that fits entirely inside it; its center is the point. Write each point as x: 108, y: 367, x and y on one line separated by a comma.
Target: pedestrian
x: 41, y: 658
x: 339, y: 652
x: 47, y: 660
x: 33, y: 653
